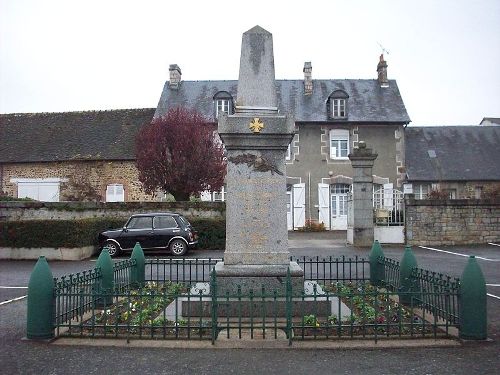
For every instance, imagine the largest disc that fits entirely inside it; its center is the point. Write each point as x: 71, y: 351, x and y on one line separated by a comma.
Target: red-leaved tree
x: 180, y: 154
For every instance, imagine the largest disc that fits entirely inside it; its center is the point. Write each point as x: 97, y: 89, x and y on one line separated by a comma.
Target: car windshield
x: 140, y: 222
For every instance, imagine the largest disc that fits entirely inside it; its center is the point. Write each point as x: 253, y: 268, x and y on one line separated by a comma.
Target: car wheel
x: 178, y: 247
x: 113, y: 249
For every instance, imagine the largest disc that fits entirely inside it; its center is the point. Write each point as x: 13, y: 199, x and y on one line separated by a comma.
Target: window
x: 338, y: 104
x: 338, y: 108
x: 162, y: 222
x: 222, y: 106
x: 339, y: 144
x: 421, y: 191
x: 140, y: 222
x: 219, y: 196
x: 478, y: 192
x: 223, y: 103
x: 115, y: 193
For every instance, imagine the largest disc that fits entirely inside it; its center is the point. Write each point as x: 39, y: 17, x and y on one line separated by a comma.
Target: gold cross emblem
x: 256, y: 125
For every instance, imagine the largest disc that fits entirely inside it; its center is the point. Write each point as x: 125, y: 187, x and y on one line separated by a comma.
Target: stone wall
x: 96, y: 174
x: 11, y: 211
x: 452, y: 221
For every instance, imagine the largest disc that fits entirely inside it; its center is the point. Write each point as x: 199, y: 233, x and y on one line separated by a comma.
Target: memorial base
x: 255, y: 278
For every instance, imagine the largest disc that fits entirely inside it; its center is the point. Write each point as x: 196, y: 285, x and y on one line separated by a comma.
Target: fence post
x: 106, y: 282
x: 377, y: 270
x: 213, y: 292
x: 288, y: 307
x: 472, y: 303
x: 138, y: 270
x: 406, y: 282
x: 40, y: 320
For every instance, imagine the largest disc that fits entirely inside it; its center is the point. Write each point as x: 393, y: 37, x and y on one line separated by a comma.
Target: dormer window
x: 223, y: 102
x: 338, y: 104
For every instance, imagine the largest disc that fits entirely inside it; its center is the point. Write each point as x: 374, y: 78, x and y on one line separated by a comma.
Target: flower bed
x: 373, y: 313
x: 141, y: 313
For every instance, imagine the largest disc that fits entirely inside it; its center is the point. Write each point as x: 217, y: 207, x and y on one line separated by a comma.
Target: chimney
x: 308, y: 83
x: 175, y: 76
x: 382, y: 72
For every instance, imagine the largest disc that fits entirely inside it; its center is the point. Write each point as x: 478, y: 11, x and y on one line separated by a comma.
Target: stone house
x: 331, y: 117
x: 72, y: 155
x: 461, y: 161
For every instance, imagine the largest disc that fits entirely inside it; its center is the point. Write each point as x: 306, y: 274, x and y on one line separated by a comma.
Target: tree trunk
x: 180, y: 196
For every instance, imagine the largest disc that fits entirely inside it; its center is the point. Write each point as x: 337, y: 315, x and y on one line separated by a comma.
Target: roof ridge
x: 76, y: 112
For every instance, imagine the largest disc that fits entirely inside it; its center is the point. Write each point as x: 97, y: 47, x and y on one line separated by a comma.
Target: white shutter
x: 324, y: 204
x: 299, y: 205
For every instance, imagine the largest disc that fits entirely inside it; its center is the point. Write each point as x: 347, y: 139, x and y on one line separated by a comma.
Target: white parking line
x: 12, y: 300
x: 492, y: 295
x: 492, y: 284
x: 13, y: 287
x: 494, y: 244
x: 459, y: 254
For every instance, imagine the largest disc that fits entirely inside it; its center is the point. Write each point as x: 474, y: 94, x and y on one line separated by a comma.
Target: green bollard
x: 472, y: 304
x: 377, y: 270
x: 40, y: 322
x: 407, y: 284
x: 137, y: 272
x: 106, y: 284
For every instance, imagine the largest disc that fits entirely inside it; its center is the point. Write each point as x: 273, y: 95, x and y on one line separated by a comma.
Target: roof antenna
x: 383, y: 49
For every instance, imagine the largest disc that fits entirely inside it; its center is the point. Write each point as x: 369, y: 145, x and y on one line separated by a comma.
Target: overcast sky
x: 91, y: 55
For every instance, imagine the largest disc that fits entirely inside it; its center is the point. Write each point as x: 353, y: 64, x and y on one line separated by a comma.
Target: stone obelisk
x: 256, y: 138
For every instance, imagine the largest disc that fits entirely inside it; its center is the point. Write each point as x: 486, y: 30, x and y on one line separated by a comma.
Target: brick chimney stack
x: 308, y: 83
x: 382, y: 72
x: 175, y: 76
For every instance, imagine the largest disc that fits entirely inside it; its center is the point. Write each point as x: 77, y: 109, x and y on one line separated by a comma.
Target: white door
x: 289, y: 205
x: 299, y: 205
x: 339, y: 206
x: 324, y: 204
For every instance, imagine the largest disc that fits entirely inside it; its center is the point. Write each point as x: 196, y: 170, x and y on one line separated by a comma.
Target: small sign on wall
x: 407, y: 189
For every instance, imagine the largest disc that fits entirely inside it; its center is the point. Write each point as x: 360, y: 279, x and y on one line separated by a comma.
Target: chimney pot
x: 175, y: 76
x: 308, y: 84
x: 382, y: 72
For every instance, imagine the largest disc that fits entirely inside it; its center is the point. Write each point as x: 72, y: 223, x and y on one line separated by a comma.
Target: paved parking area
x: 21, y: 357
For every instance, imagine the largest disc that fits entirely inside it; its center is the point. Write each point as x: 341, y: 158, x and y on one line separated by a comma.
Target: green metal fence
x: 180, y: 300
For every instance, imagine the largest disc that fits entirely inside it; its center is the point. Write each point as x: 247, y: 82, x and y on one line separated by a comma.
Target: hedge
x: 84, y: 232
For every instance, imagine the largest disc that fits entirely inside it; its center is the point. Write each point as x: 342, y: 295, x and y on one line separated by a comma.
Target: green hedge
x: 84, y: 232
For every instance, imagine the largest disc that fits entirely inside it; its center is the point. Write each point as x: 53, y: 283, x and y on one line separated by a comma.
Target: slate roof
x: 89, y: 135
x: 453, y: 153
x: 367, y: 103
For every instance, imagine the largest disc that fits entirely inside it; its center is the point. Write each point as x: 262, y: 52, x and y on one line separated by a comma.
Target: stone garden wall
x: 15, y: 211
x: 452, y: 221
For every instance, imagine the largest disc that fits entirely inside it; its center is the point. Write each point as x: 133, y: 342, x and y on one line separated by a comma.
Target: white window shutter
x: 299, y: 205
x: 324, y: 204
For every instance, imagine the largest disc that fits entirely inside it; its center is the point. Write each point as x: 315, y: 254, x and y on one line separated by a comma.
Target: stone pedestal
x: 362, y: 160
x: 256, y: 138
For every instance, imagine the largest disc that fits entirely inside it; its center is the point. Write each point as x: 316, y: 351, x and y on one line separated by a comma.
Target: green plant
x: 312, y: 226
x: 310, y: 320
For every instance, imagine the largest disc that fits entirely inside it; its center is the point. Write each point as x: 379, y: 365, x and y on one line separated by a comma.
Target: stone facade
x: 96, y: 174
x: 452, y: 222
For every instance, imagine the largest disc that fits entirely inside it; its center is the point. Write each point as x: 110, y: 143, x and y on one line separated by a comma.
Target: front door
x: 338, y: 204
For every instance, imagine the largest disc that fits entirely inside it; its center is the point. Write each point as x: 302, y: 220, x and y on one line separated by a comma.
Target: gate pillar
x: 362, y: 160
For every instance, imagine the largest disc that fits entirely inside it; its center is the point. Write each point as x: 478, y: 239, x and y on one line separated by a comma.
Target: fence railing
x: 436, y: 293
x: 180, y: 298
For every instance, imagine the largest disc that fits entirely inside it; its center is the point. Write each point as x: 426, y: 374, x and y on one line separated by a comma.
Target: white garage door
x: 40, y: 191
